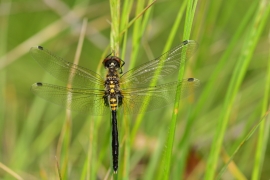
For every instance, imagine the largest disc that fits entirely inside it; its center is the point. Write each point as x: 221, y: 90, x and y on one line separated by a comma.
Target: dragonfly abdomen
x: 113, y: 99
x: 115, y: 142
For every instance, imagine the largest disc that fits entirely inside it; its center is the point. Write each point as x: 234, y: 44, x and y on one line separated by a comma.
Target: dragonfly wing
x: 82, y: 100
x: 65, y: 71
x: 156, y: 97
x: 168, y: 63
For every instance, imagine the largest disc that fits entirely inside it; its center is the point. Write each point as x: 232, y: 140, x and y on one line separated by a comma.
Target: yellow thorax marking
x: 112, y: 91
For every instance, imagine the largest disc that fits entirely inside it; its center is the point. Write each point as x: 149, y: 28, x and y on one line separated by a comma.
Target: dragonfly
x: 130, y: 92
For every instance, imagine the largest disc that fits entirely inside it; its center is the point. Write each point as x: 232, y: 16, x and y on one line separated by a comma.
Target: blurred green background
x: 33, y: 131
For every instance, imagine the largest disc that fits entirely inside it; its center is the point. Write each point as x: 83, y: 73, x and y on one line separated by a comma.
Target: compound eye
x: 117, y: 65
x: 107, y: 64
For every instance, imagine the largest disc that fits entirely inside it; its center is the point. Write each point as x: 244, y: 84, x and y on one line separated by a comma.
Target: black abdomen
x: 115, y: 143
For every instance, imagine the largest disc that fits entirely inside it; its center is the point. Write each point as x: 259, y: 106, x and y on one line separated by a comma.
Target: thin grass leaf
x: 170, y: 138
x: 207, y: 91
x: 10, y: 171
x: 115, y: 15
x: 3, y: 73
x: 237, y: 174
x: 251, y: 132
x: 236, y: 80
x: 127, y: 7
x: 126, y: 149
x: 150, y: 172
x: 140, y: 27
x: 47, y: 135
x: 58, y: 168
x: 264, y: 127
x: 138, y: 16
x: 27, y: 135
x: 137, y: 34
x: 63, y: 145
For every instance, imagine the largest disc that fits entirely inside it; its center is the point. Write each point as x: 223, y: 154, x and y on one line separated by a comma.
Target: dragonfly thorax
x: 112, y: 96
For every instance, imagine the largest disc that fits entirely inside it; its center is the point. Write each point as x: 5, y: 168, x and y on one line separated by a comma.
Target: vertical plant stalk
x: 137, y: 36
x: 125, y: 161
x: 137, y: 33
x: 140, y: 32
x: 235, y: 82
x: 115, y: 38
x: 58, y: 168
x: 115, y: 15
x: 89, y: 162
x: 146, y: 18
x: 4, y: 26
x: 10, y: 171
x: 65, y: 137
x: 206, y: 93
x: 127, y: 7
x: 126, y: 149
x: 246, y: 138
x: 191, y: 7
x: 264, y: 127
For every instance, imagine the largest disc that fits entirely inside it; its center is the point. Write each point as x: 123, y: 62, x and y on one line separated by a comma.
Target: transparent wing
x: 168, y: 63
x: 156, y: 97
x: 64, y: 71
x: 83, y: 100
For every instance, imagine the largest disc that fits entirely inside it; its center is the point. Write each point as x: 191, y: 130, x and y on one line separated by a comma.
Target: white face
x: 112, y: 64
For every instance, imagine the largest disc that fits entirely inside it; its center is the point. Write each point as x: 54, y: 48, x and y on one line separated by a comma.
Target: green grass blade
x: 237, y: 78
x: 150, y: 172
x: 115, y: 15
x: 191, y: 6
x: 251, y: 132
x: 125, y: 169
x: 64, y: 146
x: 126, y: 150
x: 207, y: 92
x: 139, y: 26
x: 166, y: 48
x: 19, y: 160
x: 127, y: 7
x: 3, y: 74
x: 137, y: 34
x: 175, y: 27
x: 264, y: 127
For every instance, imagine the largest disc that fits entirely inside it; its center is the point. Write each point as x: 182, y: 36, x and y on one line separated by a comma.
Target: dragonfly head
x: 113, y: 62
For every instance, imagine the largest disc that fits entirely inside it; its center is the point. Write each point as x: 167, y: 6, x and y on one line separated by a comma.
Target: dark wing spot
x: 190, y: 79
x: 39, y: 84
x: 40, y: 47
x: 185, y: 42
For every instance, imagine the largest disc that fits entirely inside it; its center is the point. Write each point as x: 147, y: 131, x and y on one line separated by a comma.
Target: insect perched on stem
x: 132, y: 92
